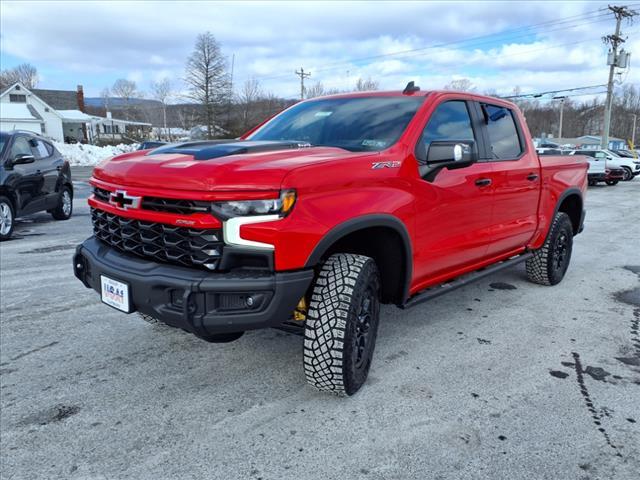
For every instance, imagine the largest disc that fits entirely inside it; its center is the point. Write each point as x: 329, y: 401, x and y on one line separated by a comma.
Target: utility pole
x: 633, y: 132
x: 302, y: 74
x: 562, y: 99
x: 614, y: 60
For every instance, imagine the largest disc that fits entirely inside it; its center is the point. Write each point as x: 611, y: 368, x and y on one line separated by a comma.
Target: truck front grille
x: 156, y: 204
x: 165, y: 243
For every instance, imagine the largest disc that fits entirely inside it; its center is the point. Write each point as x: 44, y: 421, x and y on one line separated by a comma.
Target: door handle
x: 483, y: 182
x: 58, y: 168
x: 532, y: 177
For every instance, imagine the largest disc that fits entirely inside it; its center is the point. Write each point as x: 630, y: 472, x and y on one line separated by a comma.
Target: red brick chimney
x: 80, y: 96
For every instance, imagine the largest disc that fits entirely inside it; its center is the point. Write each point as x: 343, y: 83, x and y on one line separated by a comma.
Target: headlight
x: 277, y: 206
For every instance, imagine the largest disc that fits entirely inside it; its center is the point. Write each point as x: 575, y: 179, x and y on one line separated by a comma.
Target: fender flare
x: 360, y: 223
x: 562, y: 198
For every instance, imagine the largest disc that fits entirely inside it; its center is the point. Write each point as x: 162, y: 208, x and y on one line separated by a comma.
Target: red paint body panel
x: 454, y: 226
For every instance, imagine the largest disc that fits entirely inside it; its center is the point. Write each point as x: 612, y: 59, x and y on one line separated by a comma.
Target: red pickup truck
x: 334, y: 206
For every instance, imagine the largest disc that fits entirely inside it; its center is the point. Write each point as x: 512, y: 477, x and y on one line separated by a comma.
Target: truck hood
x: 235, y: 165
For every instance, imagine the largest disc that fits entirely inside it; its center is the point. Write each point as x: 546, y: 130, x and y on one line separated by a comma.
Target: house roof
x: 58, y: 99
x: 74, y: 116
x: 17, y: 111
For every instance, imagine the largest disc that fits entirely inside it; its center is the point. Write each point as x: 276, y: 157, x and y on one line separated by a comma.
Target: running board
x: 436, y: 291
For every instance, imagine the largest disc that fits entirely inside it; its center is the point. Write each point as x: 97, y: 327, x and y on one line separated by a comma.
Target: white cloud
x: 147, y: 41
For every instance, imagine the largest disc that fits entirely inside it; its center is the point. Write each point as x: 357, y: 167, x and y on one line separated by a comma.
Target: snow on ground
x: 79, y: 154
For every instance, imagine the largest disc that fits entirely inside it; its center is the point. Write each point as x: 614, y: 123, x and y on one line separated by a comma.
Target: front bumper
x: 200, y: 302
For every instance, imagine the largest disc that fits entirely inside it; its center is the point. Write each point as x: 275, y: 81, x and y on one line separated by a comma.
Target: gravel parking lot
x: 502, y: 379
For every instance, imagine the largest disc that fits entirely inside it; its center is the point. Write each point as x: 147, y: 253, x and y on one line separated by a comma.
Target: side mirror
x: 450, y: 154
x: 23, y: 158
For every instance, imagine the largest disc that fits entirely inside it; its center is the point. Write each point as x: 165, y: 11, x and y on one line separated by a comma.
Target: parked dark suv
x: 33, y: 177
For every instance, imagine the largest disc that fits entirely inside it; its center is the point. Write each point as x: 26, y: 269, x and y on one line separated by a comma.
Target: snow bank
x: 79, y: 154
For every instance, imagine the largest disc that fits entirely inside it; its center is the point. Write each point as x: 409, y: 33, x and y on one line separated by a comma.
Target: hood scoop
x: 208, y: 150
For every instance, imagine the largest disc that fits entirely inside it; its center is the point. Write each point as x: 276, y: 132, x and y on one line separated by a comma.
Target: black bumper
x: 200, y: 302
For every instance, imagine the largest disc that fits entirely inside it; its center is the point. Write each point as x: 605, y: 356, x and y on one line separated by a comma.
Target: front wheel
x: 550, y: 262
x: 7, y: 218
x: 342, y: 324
x: 612, y: 182
x: 628, y: 174
x: 65, y: 205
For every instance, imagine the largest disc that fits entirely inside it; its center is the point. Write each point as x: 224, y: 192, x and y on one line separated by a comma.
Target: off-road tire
x: 342, y: 324
x: 550, y: 262
x: 7, y: 209
x: 611, y: 183
x: 628, y: 174
x: 63, y: 210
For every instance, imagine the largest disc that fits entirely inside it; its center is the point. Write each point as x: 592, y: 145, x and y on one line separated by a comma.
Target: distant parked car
x: 626, y: 153
x: 630, y: 166
x: 33, y: 177
x: 148, y: 145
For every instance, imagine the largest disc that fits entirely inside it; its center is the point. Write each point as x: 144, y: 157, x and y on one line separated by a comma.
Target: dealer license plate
x: 115, y: 293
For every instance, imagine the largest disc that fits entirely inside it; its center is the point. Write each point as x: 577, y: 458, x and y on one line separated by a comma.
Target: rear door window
x: 504, y: 140
x: 40, y: 149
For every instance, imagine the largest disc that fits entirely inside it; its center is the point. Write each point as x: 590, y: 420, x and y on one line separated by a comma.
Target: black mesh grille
x: 155, y: 204
x: 166, y: 243
x: 101, y: 194
x: 172, y: 205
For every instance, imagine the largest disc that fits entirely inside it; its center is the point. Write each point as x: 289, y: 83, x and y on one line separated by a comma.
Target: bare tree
x: 461, y: 85
x: 206, y: 75
x: 24, y: 73
x: 367, y: 85
x: 162, y: 91
x: 250, y: 94
x: 125, y: 90
x: 315, y: 90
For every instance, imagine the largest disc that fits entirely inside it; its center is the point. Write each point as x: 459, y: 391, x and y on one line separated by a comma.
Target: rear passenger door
x: 49, y: 165
x: 516, y: 178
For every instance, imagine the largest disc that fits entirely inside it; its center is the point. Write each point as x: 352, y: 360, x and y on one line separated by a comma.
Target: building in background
x: 59, y: 115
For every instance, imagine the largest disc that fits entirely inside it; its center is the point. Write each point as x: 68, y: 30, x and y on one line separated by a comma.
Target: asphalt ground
x: 502, y: 379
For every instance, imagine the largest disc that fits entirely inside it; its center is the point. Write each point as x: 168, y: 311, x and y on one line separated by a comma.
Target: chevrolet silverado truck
x: 334, y: 206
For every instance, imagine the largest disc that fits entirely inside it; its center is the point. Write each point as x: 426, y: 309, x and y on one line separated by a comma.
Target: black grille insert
x: 166, y: 243
x: 156, y: 204
x: 173, y: 205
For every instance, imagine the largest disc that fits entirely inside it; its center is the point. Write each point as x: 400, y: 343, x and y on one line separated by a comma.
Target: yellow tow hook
x: 300, y: 312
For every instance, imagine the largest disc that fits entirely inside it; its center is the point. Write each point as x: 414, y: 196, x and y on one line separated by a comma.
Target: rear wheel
x: 550, y: 262
x: 612, y: 182
x: 7, y: 218
x: 64, y: 209
x: 627, y: 175
x: 342, y: 324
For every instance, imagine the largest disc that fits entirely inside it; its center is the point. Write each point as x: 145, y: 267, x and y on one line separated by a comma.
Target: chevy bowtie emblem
x: 120, y: 199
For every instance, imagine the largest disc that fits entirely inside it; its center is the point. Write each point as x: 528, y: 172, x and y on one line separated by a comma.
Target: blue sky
x: 95, y: 43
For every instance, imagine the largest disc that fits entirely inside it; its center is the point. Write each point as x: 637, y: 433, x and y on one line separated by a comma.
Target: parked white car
x: 631, y: 166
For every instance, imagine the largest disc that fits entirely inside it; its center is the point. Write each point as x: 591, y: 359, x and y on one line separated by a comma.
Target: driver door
x: 454, y: 209
x: 27, y: 179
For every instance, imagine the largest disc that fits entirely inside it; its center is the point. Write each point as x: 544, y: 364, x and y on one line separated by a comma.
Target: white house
x: 58, y: 114
x: 20, y: 109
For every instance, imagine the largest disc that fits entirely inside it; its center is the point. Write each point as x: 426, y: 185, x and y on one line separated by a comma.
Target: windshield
x: 356, y: 123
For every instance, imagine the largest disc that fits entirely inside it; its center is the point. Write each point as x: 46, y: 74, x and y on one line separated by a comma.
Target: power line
x: 600, y: 16
x: 540, y: 94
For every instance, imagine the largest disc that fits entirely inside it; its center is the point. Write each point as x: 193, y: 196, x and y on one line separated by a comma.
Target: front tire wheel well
x: 385, y: 246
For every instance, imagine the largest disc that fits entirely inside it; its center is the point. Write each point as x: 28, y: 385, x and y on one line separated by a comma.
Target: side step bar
x: 436, y: 291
